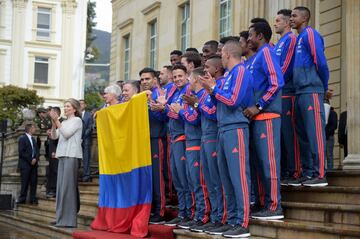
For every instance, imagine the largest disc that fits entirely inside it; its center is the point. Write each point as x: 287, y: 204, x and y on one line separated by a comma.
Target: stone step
x: 10, y: 231
x: 13, y: 218
x: 90, y: 196
x: 326, y: 213
x: 329, y: 194
x: 289, y: 229
x: 91, y: 186
x: 349, y: 178
x: 87, y: 208
x: 38, y: 212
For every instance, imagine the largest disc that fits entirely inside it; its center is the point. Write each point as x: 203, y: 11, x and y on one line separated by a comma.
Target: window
x: 41, y: 70
x: 43, y: 23
x: 225, y: 18
x: 153, y: 43
x: 126, y: 57
x: 185, y: 26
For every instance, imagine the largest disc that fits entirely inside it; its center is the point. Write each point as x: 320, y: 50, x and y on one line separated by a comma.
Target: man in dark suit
x: 342, y: 133
x: 28, y: 164
x: 86, y: 140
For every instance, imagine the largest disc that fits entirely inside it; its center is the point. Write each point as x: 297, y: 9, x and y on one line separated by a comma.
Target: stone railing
x: 10, y: 183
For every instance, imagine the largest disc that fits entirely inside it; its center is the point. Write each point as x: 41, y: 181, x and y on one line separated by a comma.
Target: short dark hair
x: 198, y: 71
x: 259, y: 19
x: 168, y: 67
x: 223, y: 40
x: 176, y: 52
x: 304, y: 9
x: 148, y: 70
x: 244, y: 34
x: 217, y: 57
x: 28, y: 127
x: 193, y: 57
x: 285, y: 12
x: 57, y: 109
x: 179, y: 67
x: 212, y: 43
x: 263, y: 28
x: 191, y: 49
x: 134, y: 83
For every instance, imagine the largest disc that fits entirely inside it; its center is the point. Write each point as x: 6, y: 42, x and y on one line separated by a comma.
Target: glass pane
x: 41, y: 73
x: 42, y: 59
x: 43, y: 21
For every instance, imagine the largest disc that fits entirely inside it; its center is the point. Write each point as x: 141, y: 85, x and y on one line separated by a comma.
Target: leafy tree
x: 14, y: 99
x: 90, y: 37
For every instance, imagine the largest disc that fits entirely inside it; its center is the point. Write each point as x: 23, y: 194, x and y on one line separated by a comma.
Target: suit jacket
x: 26, y: 151
x: 342, y: 133
x: 88, y: 124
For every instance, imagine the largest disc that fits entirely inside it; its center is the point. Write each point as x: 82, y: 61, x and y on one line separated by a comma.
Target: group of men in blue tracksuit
x: 240, y: 125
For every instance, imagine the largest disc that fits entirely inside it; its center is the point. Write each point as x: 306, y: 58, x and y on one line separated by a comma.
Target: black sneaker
x: 188, y: 224
x: 237, y: 231
x: 297, y: 182
x: 202, y: 227
x: 219, y: 230
x: 267, y: 214
x: 173, y: 222
x: 285, y: 182
x: 212, y: 226
x: 316, y: 182
x: 157, y: 219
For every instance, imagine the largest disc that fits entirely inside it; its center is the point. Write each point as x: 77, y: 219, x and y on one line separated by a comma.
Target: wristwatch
x: 212, y: 89
x: 258, y: 106
x: 196, y: 105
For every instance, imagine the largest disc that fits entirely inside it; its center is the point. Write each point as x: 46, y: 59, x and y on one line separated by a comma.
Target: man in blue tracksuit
x: 208, y: 155
x: 266, y: 121
x: 310, y: 77
x: 284, y: 49
x: 158, y: 146
x: 178, y: 159
x: 231, y: 98
x: 193, y: 140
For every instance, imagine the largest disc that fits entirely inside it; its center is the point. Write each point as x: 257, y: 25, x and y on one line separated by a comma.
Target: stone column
x: 18, y: 38
x: 67, y: 38
x: 352, y: 71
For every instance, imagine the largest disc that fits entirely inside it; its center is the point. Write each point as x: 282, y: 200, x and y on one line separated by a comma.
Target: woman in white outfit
x: 68, y: 152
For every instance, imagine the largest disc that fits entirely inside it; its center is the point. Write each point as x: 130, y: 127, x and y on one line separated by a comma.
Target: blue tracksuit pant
x: 290, y: 157
x: 266, y: 143
x: 310, y: 126
x: 202, y: 205
x: 234, y: 169
x: 208, y: 160
x: 180, y: 175
x: 158, y: 152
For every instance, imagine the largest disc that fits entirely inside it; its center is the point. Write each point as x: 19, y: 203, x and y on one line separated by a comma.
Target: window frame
x: 47, y: 62
x: 227, y: 19
x: 153, y: 38
x: 43, y: 30
x: 185, y: 18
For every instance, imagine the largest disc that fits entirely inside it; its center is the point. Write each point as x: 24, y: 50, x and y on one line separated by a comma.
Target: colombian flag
x: 125, y: 191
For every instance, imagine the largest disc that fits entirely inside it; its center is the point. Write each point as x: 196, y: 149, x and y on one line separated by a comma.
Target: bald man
x: 230, y: 96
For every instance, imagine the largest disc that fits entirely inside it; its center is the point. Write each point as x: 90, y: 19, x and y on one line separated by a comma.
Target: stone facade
x: 131, y: 18
x: 21, y: 46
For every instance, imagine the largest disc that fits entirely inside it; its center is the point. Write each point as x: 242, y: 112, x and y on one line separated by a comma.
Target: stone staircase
x: 330, y: 212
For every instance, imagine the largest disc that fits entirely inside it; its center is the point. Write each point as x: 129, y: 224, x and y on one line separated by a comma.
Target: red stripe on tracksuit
x: 289, y: 54
x: 224, y: 217
x: 319, y: 135
x: 312, y: 45
x: 205, y: 219
x: 162, y: 184
x: 261, y: 190
x: 243, y: 181
x: 168, y: 168
x: 297, y: 172
x: 272, y: 163
x: 272, y: 73
x: 193, y: 205
x: 237, y: 87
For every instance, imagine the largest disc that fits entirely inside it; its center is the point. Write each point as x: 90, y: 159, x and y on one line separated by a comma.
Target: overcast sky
x: 103, y: 15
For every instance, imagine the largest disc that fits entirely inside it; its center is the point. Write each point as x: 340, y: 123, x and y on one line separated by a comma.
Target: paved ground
x: 10, y: 232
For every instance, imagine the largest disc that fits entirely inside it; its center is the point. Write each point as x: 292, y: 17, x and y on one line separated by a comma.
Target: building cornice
x: 151, y: 8
x: 19, y: 3
x: 68, y: 6
x: 5, y: 42
x: 43, y: 45
x: 125, y: 23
